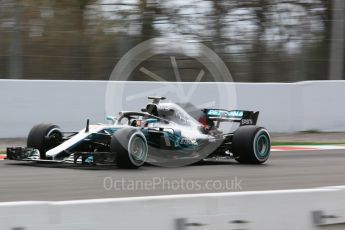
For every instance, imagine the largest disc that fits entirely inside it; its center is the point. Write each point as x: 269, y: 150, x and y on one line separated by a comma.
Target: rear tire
x: 130, y: 147
x: 44, y: 137
x: 251, y: 145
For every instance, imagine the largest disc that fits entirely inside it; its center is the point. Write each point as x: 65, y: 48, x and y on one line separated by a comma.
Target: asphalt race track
x: 285, y: 170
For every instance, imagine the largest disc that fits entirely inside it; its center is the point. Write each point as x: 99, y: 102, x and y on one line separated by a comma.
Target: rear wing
x: 244, y: 117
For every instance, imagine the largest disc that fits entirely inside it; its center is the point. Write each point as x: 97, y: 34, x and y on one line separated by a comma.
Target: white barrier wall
x: 284, y: 107
x: 269, y: 210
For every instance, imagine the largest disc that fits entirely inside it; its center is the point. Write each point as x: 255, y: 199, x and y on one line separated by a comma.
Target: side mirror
x: 111, y: 118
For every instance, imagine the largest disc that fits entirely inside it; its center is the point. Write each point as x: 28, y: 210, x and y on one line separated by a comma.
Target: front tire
x: 251, y: 145
x: 44, y: 137
x: 130, y: 147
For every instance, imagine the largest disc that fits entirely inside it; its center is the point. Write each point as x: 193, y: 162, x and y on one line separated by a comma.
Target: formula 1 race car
x: 162, y: 133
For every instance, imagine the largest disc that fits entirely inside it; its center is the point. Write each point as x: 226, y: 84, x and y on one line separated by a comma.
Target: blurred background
x: 259, y: 40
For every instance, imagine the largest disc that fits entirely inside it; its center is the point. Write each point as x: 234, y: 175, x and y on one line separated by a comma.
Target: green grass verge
x: 2, y: 150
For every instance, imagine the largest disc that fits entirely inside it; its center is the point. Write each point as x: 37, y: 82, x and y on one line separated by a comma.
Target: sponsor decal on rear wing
x: 244, y: 117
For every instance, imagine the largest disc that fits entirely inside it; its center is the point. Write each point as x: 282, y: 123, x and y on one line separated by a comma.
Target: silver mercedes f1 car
x: 161, y: 133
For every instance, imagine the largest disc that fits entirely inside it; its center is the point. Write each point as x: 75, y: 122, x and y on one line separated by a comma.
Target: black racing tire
x: 130, y: 146
x: 251, y: 144
x: 44, y: 137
